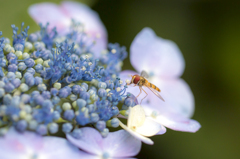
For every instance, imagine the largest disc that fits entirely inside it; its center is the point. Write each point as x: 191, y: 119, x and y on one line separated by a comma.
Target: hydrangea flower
x: 60, y: 16
x: 118, y: 144
x: 164, y: 62
x: 56, y: 80
x: 30, y: 145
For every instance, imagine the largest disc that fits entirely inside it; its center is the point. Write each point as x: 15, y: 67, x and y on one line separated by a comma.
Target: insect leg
x: 145, y: 96
x: 139, y: 93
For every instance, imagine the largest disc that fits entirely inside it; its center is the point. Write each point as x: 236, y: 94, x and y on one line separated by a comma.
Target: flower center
x: 34, y: 156
x: 105, y: 155
x: 154, y: 114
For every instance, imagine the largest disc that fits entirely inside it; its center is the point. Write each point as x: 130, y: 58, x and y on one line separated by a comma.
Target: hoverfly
x: 142, y: 81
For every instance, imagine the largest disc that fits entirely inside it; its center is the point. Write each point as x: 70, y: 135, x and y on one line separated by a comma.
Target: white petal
x: 156, y: 55
x: 136, y: 135
x: 136, y: 116
x: 150, y: 128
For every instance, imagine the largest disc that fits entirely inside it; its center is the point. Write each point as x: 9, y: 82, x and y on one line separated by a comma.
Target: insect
x: 142, y: 81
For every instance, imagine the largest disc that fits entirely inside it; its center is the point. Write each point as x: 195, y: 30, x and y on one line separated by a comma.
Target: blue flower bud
x: 3, y: 62
x: 67, y: 127
x: 56, y: 115
x: 15, y: 101
x: 55, y: 100
x: 31, y: 70
x: 115, y: 111
x: 53, y: 128
x: 84, y: 95
x: 41, y: 129
x: 94, y: 117
x: 21, y: 125
x: 16, y: 82
x: 54, y: 91
x: 33, y: 125
x: 81, y: 103
x: 102, y: 93
x: 76, y: 89
x: 114, y: 122
x: 2, y: 92
x: 105, y: 132
x: 85, y: 85
x: 102, y: 85
x: 129, y: 102
x: 11, y: 76
x: 46, y: 54
x: 38, y: 100
x: 63, y: 93
x: 47, y: 104
x: 38, y: 68
x: 68, y: 115
x: 46, y: 94
x: 12, y: 68
x: 18, y: 47
x: 29, y: 62
x: 101, y: 125
x: 38, y: 80
x: 42, y: 87
x: 33, y: 37
x: 77, y: 133
x: 25, y: 98
x: 9, y: 87
x: 2, y: 84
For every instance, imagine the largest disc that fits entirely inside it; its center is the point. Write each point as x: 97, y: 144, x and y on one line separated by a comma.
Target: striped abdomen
x: 148, y: 84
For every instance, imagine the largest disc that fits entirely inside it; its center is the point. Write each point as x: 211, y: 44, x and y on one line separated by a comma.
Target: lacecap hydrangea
x: 51, y: 83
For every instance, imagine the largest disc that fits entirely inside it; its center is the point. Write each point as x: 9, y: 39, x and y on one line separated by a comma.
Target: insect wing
x: 144, y: 74
x: 156, y: 93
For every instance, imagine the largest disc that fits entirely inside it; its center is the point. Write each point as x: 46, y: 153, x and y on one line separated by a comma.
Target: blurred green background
x: 208, y: 34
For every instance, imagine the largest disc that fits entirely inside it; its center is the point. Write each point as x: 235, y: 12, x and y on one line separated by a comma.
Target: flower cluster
x: 65, y: 78
x: 42, y: 87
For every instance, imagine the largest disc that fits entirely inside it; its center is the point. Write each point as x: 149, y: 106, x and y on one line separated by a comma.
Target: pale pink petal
x: 155, y: 55
x: 136, y: 135
x: 64, y: 149
x: 50, y: 12
x: 177, y: 94
x: 178, y: 123
x: 91, y: 141
x: 29, y: 144
x: 121, y: 144
x: 92, y: 23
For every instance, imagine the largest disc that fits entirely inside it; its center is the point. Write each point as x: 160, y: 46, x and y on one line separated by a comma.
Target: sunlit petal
x: 150, y: 128
x: 136, y: 135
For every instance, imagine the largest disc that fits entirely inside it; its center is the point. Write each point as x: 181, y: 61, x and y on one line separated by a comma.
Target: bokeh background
x: 208, y: 34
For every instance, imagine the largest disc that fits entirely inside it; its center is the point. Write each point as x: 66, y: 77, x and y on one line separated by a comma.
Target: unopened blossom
x: 118, y: 144
x: 60, y: 16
